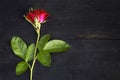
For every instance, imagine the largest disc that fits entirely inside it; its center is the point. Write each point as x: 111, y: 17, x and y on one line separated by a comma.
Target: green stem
x: 31, y: 74
x: 35, y: 57
x: 31, y: 69
x: 38, y: 37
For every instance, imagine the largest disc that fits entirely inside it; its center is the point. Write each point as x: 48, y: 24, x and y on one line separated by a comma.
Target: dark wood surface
x: 91, y: 27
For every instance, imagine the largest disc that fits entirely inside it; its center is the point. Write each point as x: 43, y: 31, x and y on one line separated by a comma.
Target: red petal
x: 40, y: 14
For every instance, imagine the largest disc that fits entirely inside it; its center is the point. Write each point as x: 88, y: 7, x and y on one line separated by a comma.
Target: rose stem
x: 35, y: 57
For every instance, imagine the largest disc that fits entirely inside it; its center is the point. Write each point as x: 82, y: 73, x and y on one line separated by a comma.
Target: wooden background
x: 91, y: 27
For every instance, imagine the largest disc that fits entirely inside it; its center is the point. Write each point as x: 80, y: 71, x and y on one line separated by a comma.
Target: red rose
x: 36, y: 16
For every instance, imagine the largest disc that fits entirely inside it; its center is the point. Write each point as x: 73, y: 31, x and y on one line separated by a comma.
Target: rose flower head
x: 36, y: 17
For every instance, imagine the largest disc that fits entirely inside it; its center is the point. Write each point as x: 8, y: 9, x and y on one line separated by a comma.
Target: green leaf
x: 43, y: 41
x: 56, y: 46
x: 21, y: 68
x: 44, y: 58
x: 19, y: 47
x: 30, y: 52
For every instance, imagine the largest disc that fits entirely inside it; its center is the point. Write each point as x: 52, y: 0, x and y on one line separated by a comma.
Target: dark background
x: 91, y: 27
